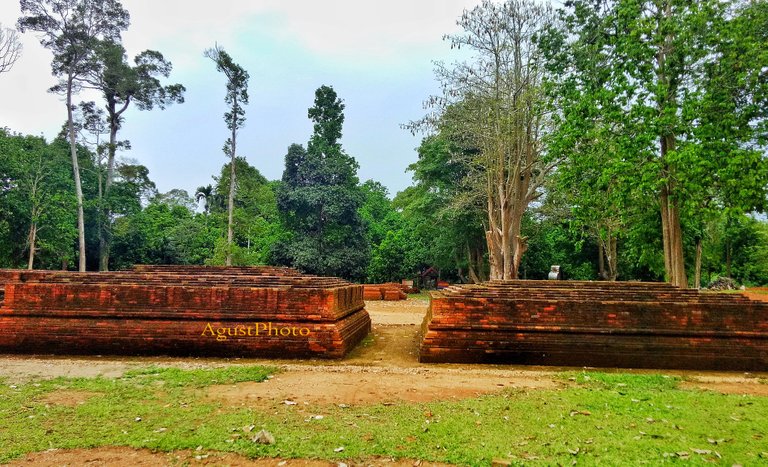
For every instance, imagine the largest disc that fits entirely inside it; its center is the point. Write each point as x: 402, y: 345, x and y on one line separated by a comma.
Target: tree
x: 120, y: 85
x: 236, y: 98
x: 37, y: 197
x: 680, y: 87
x: 257, y: 224
x: 443, y: 214
x: 206, y: 195
x: 10, y: 48
x: 71, y: 29
x: 319, y: 199
x: 496, y: 104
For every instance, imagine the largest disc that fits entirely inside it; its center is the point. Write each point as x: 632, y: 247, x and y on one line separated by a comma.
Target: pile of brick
x: 386, y: 291
x: 181, y: 310
x: 619, y: 324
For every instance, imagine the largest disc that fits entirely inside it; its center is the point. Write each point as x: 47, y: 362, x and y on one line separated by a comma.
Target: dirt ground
x: 127, y: 457
x: 383, y: 369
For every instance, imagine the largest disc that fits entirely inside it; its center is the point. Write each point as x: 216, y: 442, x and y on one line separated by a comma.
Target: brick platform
x: 619, y: 324
x: 181, y: 310
x: 386, y: 291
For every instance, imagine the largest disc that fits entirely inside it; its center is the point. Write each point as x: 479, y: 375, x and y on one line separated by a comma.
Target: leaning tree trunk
x: 76, y: 173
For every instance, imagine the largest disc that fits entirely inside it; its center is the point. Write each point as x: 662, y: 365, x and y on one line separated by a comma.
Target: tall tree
x: 236, y: 98
x: 495, y: 103
x: 71, y: 29
x: 10, y: 48
x: 121, y: 84
x: 319, y: 199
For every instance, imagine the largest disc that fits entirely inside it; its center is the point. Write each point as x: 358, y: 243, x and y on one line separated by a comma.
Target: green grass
x: 423, y: 295
x: 599, y: 418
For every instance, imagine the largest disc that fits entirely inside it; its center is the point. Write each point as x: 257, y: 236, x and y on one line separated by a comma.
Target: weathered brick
x: 625, y: 324
x: 386, y: 291
x: 178, y: 309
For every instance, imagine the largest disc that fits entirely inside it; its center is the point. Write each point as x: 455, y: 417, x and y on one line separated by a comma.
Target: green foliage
x: 319, y: 200
x: 657, y: 98
x: 145, y: 237
x: 35, y: 188
x: 442, y: 224
x: 553, y: 243
x: 256, y: 223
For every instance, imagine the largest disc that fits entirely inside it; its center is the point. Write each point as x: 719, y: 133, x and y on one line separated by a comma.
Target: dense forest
x: 621, y: 140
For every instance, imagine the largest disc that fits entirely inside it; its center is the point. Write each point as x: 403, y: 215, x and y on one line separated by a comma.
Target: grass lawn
x: 607, y: 419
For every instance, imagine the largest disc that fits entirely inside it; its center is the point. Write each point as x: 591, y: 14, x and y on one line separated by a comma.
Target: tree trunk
x: 600, y: 260
x: 678, y: 259
x: 104, y: 245
x: 697, y: 272
x: 674, y: 261
x: 664, y: 202
x: 613, y: 258
x: 104, y: 214
x: 32, y: 242
x: 76, y: 173
x: 473, y: 276
x: 231, y: 200
x: 494, y: 252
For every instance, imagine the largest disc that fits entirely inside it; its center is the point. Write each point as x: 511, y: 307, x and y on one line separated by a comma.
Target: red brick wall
x: 167, y: 310
x: 596, y: 324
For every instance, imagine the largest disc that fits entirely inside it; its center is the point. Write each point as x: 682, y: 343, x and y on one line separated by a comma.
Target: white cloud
x: 336, y: 29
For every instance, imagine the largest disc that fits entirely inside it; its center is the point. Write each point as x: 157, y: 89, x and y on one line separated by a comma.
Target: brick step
x: 592, y: 295
x: 727, y: 354
x: 243, y: 281
x: 530, y: 284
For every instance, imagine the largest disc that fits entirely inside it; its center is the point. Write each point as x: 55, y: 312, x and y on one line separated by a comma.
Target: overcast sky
x: 377, y: 56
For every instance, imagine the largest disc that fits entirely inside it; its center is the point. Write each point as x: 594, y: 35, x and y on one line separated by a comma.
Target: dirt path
x: 126, y: 457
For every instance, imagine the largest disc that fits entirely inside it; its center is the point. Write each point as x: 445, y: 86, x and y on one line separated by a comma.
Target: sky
x: 378, y: 56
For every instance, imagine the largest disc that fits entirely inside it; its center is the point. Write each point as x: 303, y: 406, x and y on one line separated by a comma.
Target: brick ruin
x: 603, y: 324
x: 181, y: 310
x: 386, y: 291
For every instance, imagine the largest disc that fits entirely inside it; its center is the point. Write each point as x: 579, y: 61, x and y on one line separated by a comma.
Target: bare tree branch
x: 10, y: 48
